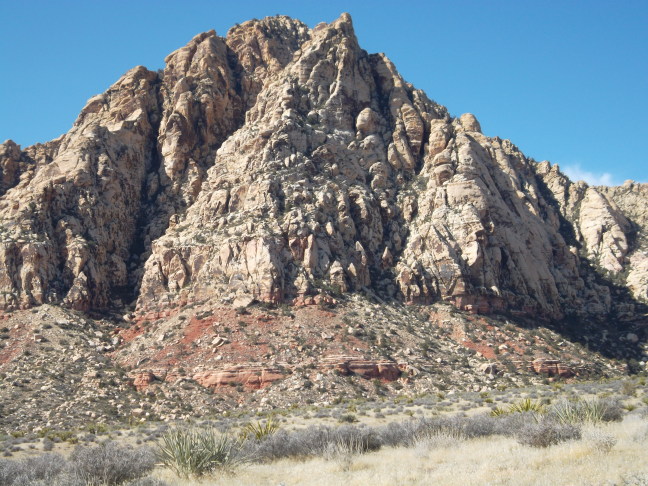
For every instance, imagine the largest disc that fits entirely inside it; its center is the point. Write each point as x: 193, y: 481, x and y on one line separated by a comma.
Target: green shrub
x: 526, y: 405
x: 581, y: 411
x: 259, y: 430
x: 197, y: 452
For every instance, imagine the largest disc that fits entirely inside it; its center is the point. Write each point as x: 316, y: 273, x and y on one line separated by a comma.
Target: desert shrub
x: 405, y: 433
x: 313, y: 441
x: 483, y: 426
x: 197, y: 452
x: 111, y: 464
x: 526, y: 405
x: 498, y: 412
x: 634, y: 479
x: 411, y: 432
x: 580, y: 411
x: 352, y: 447
x: 259, y: 430
x: 347, y: 417
x: 437, y: 442
x: 600, y: 440
x: 546, y: 433
x: 300, y: 443
x: 44, y: 467
x: 357, y: 439
x: 64, y: 479
x: 48, y: 445
x: 486, y: 425
x: 345, y: 448
x: 446, y: 426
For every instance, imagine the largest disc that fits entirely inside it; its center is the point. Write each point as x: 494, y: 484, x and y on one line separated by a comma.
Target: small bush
x: 197, y: 452
x: 600, y: 440
x: 48, y: 445
x: 498, y: 412
x: 526, y: 405
x: 348, y: 418
x: 111, y: 464
x: 313, y: 441
x: 406, y: 433
x: 592, y: 411
x: 40, y: 468
x: 259, y: 430
x: 634, y: 479
x: 546, y: 433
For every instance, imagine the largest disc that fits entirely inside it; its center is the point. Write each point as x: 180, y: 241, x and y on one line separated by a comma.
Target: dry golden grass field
x: 449, y: 461
x: 557, y: 434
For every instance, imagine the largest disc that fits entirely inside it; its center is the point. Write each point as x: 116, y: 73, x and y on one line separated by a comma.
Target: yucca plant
x: 197, y: 452
x: 526, y: 405
x: 566, y: 412
x: 259, y: 430
x: 498, y: 411
x: 579, y: 411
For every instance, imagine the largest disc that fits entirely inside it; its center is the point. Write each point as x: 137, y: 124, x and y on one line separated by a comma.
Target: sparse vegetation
x: 107, y: 464
x: 546, y: 432
x: 196, y: 452
x: 259, y: 430
x: 110, y: 463
x: 588, y: 410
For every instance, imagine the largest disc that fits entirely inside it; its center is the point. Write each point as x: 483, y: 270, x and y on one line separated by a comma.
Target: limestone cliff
x: 280, y: 162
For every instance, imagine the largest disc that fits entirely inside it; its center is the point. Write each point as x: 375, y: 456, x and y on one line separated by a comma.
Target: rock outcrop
x: 631, y: 199
x: 552, y: 367
x: 281, y: 162
x: 357, y: 365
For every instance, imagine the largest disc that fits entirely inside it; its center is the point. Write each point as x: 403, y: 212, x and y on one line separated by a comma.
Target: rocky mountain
x: 283, y: 164
x: 280, y: 161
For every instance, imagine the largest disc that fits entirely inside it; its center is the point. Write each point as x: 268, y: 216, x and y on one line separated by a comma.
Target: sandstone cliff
x: 281, y: 162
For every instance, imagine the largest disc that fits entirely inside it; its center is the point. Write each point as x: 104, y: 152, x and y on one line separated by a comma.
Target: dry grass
x: 450, y: 461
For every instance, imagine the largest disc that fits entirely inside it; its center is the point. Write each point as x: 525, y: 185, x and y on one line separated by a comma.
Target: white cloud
x: 576, y: 173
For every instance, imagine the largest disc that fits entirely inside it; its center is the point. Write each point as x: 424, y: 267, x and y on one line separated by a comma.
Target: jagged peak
x: 342, y: 26
x: 345, y: 23
x: 272, y: 23
x: 269, y: 42
x: 469, y: 123
x: 190, y: 47
x: 9, y: 145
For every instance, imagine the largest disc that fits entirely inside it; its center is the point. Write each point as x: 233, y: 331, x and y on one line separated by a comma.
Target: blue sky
x: 566, y: 81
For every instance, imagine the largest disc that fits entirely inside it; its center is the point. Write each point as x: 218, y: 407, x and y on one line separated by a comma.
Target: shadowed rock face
x: 279, y: 162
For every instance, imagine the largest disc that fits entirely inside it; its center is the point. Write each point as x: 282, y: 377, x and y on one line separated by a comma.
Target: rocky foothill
x: 276, y: 217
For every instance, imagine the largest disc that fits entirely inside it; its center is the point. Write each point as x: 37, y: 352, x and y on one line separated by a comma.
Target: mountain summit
x: 280, y: 163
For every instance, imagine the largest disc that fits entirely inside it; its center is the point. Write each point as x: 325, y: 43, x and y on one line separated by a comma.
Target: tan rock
x: 251, y: 376
x: 347, y: 365
x: 283, y: 163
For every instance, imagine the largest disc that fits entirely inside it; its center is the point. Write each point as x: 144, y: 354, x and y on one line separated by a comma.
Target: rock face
x: 631, y: 199
x: 551, y: 367
x: 250, y: 376
x: 353, y: 365
x: 281, y: 162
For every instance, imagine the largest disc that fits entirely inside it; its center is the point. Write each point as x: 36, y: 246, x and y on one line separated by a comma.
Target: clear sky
x: 565, y: 80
